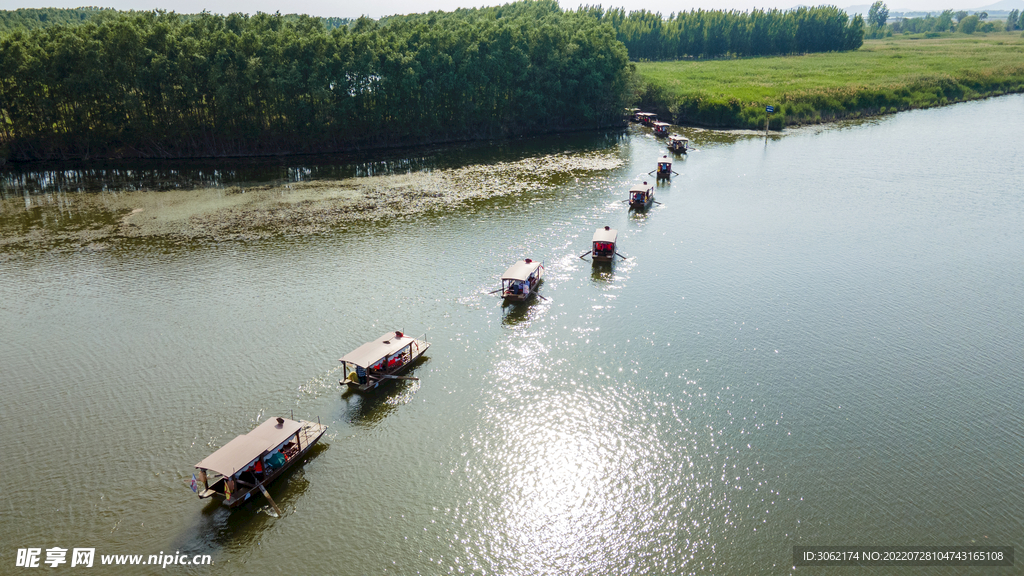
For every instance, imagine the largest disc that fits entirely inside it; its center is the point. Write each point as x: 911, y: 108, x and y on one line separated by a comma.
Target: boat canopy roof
x: 648, y: 114
x: 679, y: 138
x: 640, y: 188
x: 521, y: 270
x: 661, y: 124
x: 385, y: 345
x: 238, y: 453
x: 664, y: 160
x: 605, y: 234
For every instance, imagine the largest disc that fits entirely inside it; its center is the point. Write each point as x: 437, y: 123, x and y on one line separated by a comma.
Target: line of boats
x: 243, y: 467
x: 676, y: 143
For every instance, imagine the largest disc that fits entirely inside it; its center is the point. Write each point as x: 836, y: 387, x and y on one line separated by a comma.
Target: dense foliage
x: 33, y: 18
x: 714, y: 34
x: 156, y: 84
x: 92, y: 82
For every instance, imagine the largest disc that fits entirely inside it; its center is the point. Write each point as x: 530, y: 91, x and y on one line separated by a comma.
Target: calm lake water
x: 815, y: 341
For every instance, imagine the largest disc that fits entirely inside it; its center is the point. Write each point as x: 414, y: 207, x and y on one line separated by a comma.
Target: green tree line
x: 158, y: 84
x: 715, y: 33
x: 154, y: 84
x: 949, y: 21
x: 32, y: 18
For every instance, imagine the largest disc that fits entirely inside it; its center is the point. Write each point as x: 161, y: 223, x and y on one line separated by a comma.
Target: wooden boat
x: 381, y: 359
x: 664, y: 167
x: 521, y: 279
x: 251, y: 461
x: 679, y: 144
x: 603, y: 244
x: 647, y: 118
x: 641, y: 196
x: 660, y: 128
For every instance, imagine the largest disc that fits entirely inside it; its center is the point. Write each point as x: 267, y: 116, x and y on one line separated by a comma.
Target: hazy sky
x: 378, y: 8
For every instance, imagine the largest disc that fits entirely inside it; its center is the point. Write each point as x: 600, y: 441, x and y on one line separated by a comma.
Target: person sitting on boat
x: 258, y: 469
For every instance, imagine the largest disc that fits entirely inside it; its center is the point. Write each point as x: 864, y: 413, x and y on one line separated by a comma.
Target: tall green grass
x: 886, y: 75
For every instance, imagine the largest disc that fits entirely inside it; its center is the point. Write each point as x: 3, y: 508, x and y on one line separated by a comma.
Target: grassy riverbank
x: 887, y: 75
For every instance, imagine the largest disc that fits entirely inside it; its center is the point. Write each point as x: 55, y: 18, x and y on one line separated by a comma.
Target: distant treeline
x: 32, y: 18
x: 156, y: 85
x: 950, y: 21
x: 713, y: 34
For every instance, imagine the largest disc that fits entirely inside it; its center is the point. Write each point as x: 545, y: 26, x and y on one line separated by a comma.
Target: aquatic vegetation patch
x: 79, y: 220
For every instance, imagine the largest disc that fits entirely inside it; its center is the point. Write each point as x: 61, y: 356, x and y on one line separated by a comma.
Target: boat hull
x: 514, y: 298
x: 511, y: 298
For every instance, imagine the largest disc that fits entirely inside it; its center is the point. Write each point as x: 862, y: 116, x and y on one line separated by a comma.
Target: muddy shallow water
x: 94, y: 220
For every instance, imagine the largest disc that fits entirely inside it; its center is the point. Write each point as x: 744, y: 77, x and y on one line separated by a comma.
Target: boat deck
x: 310, y: 433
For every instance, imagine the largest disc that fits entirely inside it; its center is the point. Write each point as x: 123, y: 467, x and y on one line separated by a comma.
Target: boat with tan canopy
x: 247, y: 464
x: 678, y: 144
x: 603, y: 244
x: 381, y: 359
x: 664, y: 168
x: 521, y: 280
x: 641, y: 196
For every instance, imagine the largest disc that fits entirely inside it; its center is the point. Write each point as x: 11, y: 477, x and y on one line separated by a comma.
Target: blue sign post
x: 767, y: 110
